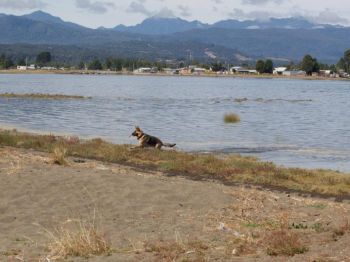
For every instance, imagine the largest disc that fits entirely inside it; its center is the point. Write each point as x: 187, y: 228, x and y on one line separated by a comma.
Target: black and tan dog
x: 147, y: 140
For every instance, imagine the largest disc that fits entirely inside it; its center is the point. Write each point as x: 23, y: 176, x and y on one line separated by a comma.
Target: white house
x: 239, y: 69
x: 142, y: 70
x: 22, y: 67
x: 32, y: 66
x: 293, y: 73
x: 279, y: 70
x: 200, y: 70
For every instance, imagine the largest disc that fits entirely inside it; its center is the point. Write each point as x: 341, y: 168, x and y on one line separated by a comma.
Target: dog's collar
x: 148, y: 137
x: 142, y: 136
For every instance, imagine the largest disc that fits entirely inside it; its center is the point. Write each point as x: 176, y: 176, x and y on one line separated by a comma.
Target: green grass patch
x: 234, y: 168
x: 45, y: 96
x: 318, y: 205
x: 268, y: 224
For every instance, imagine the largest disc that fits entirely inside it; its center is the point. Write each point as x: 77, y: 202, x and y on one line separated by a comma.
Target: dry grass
x: 76, y: 238
x: 233, y: 168
x: 193, y: 250
x: 231, y: 118
x: 239, y: 100
x: 80, y: 235
x: 284, y: 242
x: 45, y: 96
x: 59, y: 155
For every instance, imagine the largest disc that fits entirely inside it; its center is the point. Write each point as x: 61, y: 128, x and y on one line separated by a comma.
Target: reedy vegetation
x: 233, y: 168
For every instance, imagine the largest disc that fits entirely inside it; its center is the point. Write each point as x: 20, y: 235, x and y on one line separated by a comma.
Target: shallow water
x: 278, y: 123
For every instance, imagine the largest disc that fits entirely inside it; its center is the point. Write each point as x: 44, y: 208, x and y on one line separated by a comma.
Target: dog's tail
x: 168, y: 145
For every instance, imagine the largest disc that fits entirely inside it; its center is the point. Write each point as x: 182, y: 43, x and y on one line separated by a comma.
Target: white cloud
x: 97, y: 7
x: 327, y: 17
x: 239, y: 14
x: 185, y: 11
x: 138, y: 8
x: 165, y: 13
x: 22, y: 4
x: 260, y: 2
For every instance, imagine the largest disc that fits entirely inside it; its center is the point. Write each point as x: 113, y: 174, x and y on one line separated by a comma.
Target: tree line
x: 308, y: 64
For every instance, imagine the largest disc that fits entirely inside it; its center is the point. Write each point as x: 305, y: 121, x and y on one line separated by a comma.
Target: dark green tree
x: 260, y: 66
x: 94, y: 65
x: 81, y: 65
x: 347, y: 61
x: 307, y: 64
x: 204, y: 66
x: 118, y: 64
x: 108, y: 63
x: 315, y: 65
x: 245, y: 65
x: 341, y: 63
x: 21, y: 62
x: 5, y: 62
x: 268, y: 66
x: 217, y: 66
x: 43, y: 58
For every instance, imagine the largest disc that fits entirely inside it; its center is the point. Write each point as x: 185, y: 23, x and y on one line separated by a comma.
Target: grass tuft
x: 283, y: 242
x: 59, y: 155
x: 231, y: 118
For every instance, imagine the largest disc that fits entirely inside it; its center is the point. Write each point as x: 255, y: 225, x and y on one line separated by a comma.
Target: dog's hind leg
x: 158, y: 145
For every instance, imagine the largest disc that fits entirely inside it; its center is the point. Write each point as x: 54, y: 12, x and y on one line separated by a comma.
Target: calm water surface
x: 278, y: 123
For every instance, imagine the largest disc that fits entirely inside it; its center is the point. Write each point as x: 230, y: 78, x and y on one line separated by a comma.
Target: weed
x: 318, y: 205
x: 176, y: 251
x: 19, y: 239
x: 318, y: 227
x: 59, y: 155
x: 231, y: 118
x: 45, y: 96
x: 239, y: 100
x: 284, y: 242
x: 298, y: 226
x: 12, y: 252
x: 78, y: 236
x: 268, y: 224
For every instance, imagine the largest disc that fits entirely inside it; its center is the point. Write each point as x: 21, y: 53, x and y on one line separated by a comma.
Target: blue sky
x: 110, y: 13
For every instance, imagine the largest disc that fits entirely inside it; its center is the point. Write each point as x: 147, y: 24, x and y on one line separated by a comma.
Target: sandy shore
x: 137, y: 206
x: 15, y: 71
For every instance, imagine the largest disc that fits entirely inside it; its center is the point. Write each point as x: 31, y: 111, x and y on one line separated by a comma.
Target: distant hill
x: 42, y: 16
x: 327, y: 45
x: 144, y: 50
x: 285, y: 23
x: 159, y: 26
x: 2, y: 15
x: 15, y: 29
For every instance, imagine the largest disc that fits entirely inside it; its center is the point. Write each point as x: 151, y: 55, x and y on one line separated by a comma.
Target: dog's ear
x: 137, y: 128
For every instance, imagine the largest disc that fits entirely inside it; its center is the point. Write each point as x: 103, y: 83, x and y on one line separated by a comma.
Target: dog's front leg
x: 139, y: 146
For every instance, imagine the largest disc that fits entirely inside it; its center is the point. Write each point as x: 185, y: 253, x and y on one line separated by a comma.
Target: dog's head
x: 138, y: 132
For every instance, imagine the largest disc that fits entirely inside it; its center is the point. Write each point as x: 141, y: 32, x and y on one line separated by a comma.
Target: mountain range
x: 229, y: 39
x: 159, y: 26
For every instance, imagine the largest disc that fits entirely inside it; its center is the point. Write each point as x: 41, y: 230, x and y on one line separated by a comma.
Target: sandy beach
x: 148, y: 215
